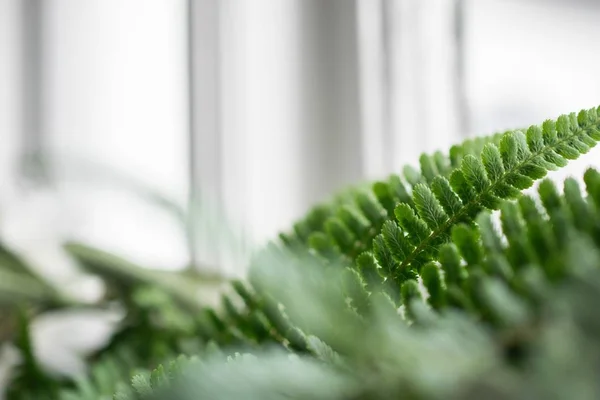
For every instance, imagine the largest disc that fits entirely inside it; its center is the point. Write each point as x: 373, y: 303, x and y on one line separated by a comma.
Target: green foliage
x: 510, y: 338
x: 407, y: 289
x: 29, y: 370
x: 427, y: 204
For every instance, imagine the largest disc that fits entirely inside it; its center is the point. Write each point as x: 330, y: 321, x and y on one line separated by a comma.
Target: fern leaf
x: 466, y: 239
x: 499, y: 172
x: 429, y: 207
x: 416, y: 229
x: 342, y: 236
x: 383, y: 254
x: 498, y: 273
x: 433, y: 283
x: 450, y: 262
x: 429, y: 168
x: 412, y: 175
x: 369, y: 270
x: 592, y: 181
x: 447, y: 198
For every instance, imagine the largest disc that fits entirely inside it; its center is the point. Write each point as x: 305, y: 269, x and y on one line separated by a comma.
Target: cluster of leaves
x: 164, y: 317
x: 527, y: 328
x: 406, y: 289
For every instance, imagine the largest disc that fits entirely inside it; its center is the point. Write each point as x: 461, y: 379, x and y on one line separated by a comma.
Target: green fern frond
x: 440, y: 211
x: 442, y: 234
x: 482, y: 182
x: 366, y: 285
x: 354, y: 206
x: 403, y: 221
x: 531, y: 243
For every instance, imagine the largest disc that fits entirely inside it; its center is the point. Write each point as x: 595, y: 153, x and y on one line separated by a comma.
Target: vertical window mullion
x: 33, y: 163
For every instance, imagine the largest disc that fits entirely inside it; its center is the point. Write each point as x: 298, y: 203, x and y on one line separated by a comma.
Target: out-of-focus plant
x: 405, y: 289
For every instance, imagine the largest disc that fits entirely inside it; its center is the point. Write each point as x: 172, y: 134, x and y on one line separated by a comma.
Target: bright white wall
x: 115, y: 96
x: 529, y: 61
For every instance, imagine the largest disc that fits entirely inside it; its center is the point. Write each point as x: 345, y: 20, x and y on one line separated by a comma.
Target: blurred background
x: 123, y: 120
